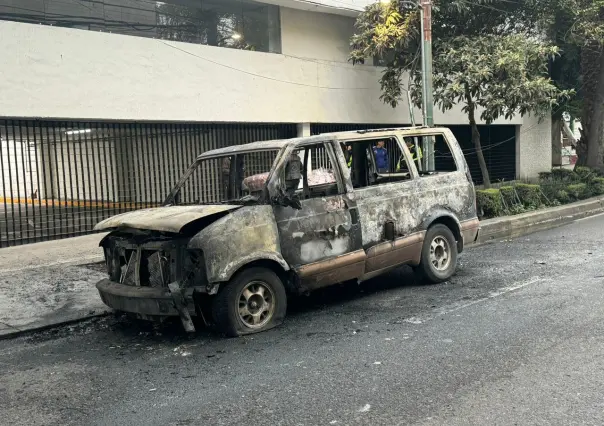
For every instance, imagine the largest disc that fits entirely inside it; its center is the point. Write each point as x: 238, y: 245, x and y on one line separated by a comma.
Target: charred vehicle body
x: 249, y: 225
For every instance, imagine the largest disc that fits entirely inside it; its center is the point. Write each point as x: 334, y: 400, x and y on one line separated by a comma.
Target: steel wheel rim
x: 440, y: 253
x: 256, y: 304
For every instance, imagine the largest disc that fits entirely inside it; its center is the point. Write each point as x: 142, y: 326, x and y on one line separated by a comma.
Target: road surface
x: 517, y: 337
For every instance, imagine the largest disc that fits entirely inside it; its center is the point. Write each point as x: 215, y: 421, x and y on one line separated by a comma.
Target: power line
x: 295, y: 83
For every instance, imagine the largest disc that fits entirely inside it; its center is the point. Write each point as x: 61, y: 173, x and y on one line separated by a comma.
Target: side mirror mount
x: 294, y: 202
x: 286, y: 200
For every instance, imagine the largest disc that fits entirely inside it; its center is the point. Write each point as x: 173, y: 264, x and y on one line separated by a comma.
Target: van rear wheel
x: 253, y: 301
x: 439, y: 255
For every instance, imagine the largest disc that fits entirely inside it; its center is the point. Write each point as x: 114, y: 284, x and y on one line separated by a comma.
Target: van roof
x: 277, y: 144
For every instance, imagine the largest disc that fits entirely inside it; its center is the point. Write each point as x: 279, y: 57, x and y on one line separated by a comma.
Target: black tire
x: 427, y: 271
x: 226, y: 304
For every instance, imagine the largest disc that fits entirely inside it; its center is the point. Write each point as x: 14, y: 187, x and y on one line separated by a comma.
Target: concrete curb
x: 492, y: 230
x: 18, y: 332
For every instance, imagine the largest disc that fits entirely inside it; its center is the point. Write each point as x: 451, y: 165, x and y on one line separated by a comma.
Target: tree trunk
x: 590, y: 146
x: 557, y: 140
x: 486, y: 180
x: 596, y: 131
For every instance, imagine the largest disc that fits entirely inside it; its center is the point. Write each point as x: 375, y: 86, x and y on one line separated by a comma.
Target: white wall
x: 64, y: 73
x: 316, y: 35
x: 533, y: 147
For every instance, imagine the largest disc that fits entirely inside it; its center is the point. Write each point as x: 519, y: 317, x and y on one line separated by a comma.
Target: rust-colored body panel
x: 338, y: 269
x: 469, y: 230
x: 393, y: 253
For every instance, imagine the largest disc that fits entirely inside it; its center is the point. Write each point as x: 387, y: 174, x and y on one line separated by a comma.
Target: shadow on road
x: 170, y: 331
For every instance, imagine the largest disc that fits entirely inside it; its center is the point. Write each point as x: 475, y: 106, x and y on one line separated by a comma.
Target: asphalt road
x: 516, y: 338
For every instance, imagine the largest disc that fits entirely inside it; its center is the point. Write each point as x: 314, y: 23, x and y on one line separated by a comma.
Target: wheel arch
x: 272, y: 261
x: 448, y: 219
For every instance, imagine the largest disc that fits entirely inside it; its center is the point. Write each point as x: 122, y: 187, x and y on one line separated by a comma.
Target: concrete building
x: 125, y: 79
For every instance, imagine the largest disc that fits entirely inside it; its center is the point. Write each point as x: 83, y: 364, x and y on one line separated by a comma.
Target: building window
x: 239, y: 24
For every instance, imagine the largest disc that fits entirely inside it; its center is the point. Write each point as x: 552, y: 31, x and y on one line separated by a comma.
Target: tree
x: 503, y: 76
x: 484, y: 56
x: 577, y: 27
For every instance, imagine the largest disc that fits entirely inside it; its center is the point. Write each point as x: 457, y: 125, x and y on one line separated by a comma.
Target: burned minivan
x: 248, y: 226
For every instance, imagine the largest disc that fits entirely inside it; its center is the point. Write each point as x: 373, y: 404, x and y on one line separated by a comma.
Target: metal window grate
x: 59, y: 178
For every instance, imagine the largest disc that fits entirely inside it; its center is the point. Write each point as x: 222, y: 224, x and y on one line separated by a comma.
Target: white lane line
x: 500, y: 292
x: 492, y: 295
x: 589, y: 217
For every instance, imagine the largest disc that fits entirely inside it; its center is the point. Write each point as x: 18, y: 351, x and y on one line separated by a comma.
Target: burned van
x: 248, y: 226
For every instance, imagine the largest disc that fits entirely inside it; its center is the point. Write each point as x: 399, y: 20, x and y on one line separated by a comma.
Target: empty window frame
x: 375, y: 161
x: 428, y: 161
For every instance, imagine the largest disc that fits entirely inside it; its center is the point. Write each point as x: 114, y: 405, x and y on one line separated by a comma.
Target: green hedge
x: 562, y: 196
x: 560, y: 186
x: 530, y: 195
x: 508, y: 193
x: 597, y: 186
x: 488, y: 201
x: 577, y: 191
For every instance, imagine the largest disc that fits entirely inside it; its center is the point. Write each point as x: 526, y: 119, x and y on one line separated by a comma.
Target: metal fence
x: 60, y: 178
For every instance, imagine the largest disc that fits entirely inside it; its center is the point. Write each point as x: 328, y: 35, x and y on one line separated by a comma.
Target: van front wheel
x: 439, y: 255
x: 253, y: 301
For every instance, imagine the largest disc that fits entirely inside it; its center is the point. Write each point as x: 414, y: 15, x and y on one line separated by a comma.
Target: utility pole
x: 427, y: 95
x: 426, y: 29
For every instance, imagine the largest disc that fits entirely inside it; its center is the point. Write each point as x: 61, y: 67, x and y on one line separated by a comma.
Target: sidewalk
x: 49, y: 283
x: 53, y: 282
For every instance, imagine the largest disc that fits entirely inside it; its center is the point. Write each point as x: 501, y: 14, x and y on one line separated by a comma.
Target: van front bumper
x: 145, y: 301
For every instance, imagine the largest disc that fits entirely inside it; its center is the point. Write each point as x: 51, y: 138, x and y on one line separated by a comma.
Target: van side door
x: 321, y: 240
x: 385, y: 183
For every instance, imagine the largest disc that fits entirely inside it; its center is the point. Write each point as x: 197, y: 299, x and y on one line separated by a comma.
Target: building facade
x: 103, y: 103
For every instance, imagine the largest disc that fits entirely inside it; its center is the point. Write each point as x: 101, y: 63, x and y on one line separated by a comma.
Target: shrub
x: 577, y: 191
x: 545, y: 176
x: 489, y: 202
x: 585, y: 174
x: 508, y: 193
x: 597, y: 186
x: 530, y: 195
x: 565, y: 175
x: 514, y: 209
x: 562, y: 196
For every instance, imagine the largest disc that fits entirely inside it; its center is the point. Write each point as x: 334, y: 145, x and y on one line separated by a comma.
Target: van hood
x: 164, y: 219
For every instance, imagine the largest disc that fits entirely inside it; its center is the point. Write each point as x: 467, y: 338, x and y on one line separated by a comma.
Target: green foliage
x: 488, y: 202
x: 503, y: 75
x: 597, y: 186
x: 554, y: 191
x: 564, y: 175
x: 560, y: 186
x: 516, y: 209
x: 477, y: 51
x: 487, y: 57
x: 508, y: 193
x: 577, y: 191
x: 530, y: 195
x: 545, y: 176
x: 585, y: 174
x: 562, y: 196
